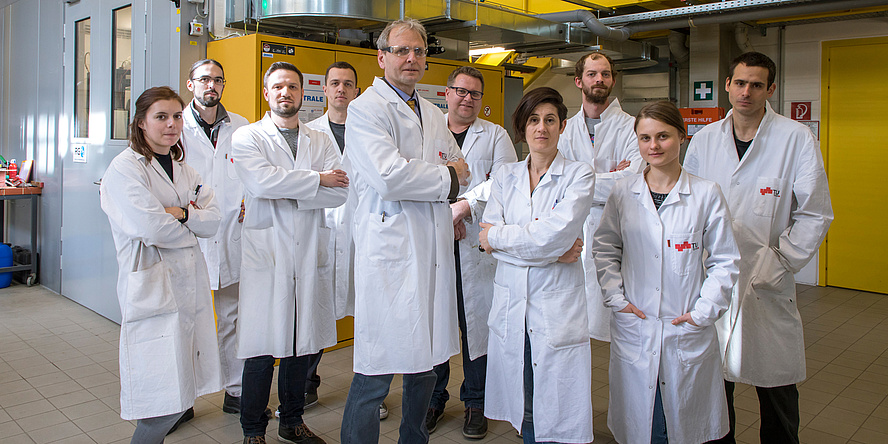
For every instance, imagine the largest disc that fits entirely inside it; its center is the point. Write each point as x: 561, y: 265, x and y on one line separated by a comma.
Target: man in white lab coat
x: 602, y: 135
x: 405, y: 168
x: 207, y: 131
x: 340, y: 88
x: 771, y: 171
x: 290, y: 174
x: 486, y: 147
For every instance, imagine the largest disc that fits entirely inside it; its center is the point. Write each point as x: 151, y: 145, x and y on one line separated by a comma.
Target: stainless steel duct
x: 592, y: 23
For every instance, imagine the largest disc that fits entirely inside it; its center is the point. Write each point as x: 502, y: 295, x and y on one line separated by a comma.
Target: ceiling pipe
x: 757, y: 14
x: 591, y: 22
x: 741, y: 35
x: 678, y: 48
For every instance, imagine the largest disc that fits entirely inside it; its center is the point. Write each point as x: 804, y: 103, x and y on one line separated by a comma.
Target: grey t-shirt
x: 339, y: 134
x: 590, y: 126
x: 292, y: 138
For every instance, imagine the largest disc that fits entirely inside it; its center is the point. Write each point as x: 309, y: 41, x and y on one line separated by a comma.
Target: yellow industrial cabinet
x: 246, y: 58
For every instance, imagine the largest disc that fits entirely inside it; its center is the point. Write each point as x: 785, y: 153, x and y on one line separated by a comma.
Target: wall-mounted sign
x: 800, y: 110
x: 814, y: 126
x: 703, y: 90
x: 79, y: 153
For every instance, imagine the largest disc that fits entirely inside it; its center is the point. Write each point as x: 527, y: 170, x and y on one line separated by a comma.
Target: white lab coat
x: 614, y: 141
x: 222, y: 252
x: 532, y: 289
x: 168, y: 350
x: 486, y: 148
x: 654, y: 259
x: 284, y: 240
x: 405, y: 280
x: 779, y: 198
x: 337, y: 274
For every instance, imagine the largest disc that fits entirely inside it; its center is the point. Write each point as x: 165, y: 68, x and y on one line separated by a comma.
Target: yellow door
x: 855, y: 97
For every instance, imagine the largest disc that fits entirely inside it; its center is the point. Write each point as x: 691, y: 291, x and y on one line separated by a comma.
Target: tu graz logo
x: 683, y: 246
x: 768, y: 190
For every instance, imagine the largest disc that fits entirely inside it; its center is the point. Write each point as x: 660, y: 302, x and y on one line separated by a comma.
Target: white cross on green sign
x: 703, y: 90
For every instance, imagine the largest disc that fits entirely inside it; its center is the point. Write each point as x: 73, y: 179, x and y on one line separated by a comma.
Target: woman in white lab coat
x: 157, y: 207
x: 665, y: 293
x: 539, y: 362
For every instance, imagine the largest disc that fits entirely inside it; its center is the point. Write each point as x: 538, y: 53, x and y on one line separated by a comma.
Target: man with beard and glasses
x: 291, y: 173
x: 602, y: 135
x: 207, y: 132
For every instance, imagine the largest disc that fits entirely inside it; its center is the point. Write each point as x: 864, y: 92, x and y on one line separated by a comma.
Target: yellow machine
x: 246, y: 58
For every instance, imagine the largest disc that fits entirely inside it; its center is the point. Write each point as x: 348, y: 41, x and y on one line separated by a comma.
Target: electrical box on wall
x: 196, y: 28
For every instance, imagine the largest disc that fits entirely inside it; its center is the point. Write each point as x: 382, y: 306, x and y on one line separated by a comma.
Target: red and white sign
x: 487, y: 111
x: 800, y: 110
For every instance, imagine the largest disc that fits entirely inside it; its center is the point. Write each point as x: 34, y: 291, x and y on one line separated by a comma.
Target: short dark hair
x: 665, y: 112
x: 594, y: 55
x: 758, y: 59
x: 341, y: 65
x: 137, y: 139
x: 468, y: 71
x: 281, y: 65
x: 203, y: 62
x: 530, y: 102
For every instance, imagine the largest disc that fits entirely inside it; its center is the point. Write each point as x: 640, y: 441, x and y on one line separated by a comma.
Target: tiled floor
x: 59, y: 379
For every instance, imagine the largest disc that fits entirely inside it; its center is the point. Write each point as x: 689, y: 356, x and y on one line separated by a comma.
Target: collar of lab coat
x: 153, y: 163
x: 612, y: 108
x: 643, y: 193
x: 474, y: 129
x: 522, y: 175
x: 727, y: 131
x: 386, y: 92
x: 268, y: 126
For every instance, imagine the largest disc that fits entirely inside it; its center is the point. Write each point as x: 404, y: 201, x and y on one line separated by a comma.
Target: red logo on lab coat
x: 686, y: 246
x: 768, y: 190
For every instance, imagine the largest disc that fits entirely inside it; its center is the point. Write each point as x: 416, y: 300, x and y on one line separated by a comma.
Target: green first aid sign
x: 703, y: 90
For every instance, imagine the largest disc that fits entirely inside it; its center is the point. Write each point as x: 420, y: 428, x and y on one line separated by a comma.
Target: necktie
x: 412, y: 104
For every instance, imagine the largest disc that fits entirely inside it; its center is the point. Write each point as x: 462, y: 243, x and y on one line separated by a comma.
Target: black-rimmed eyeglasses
x: 462, y: 92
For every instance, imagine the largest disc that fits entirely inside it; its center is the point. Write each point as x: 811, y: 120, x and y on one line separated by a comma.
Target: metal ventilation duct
x: 480, y: 24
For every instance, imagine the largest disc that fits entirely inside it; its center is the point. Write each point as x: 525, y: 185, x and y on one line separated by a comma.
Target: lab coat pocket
x: 387, y: 238
x: 769, y: 275
x: 686, y: 251
x: 257, y: 248
x: 767, y: 194
x: 626, y: 336
x: 229, y: 168
x: 695, y: 344
x: 149, y: 293
x: 499, y: 310
x: 566, y: 318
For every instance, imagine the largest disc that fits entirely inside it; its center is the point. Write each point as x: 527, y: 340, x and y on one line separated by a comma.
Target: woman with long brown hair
x: 157, y: 207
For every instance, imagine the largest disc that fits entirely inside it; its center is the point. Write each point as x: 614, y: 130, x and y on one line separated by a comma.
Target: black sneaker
x: 475, y: 425
x: 231, y: 404
x: 187, y: 416
x: 432, y: 417
x: 298, y: 435
x: 254, y: 440
x: 311, y: 400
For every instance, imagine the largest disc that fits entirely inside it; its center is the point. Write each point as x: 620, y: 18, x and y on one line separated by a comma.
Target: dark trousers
x: 258, y: 373
x: 314, y: 380
x: 471, y: 392
x: 779, y: 409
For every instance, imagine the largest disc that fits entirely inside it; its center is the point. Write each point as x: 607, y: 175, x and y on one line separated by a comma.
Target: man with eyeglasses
x: 207, y: 132
x: 486, y: 147
x: 602, y: 135
x: 405, y: 168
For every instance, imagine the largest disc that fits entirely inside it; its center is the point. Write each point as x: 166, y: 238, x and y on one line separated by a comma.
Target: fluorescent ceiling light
x: 482, y: 51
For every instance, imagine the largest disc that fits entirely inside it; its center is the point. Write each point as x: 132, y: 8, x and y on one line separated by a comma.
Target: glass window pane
x: 122, y: 51
x: 81, y: 79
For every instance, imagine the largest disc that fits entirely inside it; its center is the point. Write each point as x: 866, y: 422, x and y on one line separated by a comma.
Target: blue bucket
x: 5, y: 261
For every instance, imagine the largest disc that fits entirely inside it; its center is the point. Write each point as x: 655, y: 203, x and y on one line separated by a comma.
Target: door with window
x: 99, y: 76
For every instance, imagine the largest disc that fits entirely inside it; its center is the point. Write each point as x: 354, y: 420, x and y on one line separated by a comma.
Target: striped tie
x: 412, y: 104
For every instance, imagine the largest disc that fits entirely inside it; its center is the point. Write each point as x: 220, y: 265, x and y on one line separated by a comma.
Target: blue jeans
x: 471, y: 392
x: 258, y: 372
x: 360, y: 420
x: 314, y: 380
x: 658, y: 425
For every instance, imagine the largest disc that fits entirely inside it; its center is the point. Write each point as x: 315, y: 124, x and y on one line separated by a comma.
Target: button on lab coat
x: 614, y: 141
x: 532, y: 289
x: 284, y: 239
x: 337, y: 273
x: 655, y: 260
x: 487, y: 147
x: 222, y: 251
x: 779, y: 198
x: 405, y: 281
x: 168, y: 350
